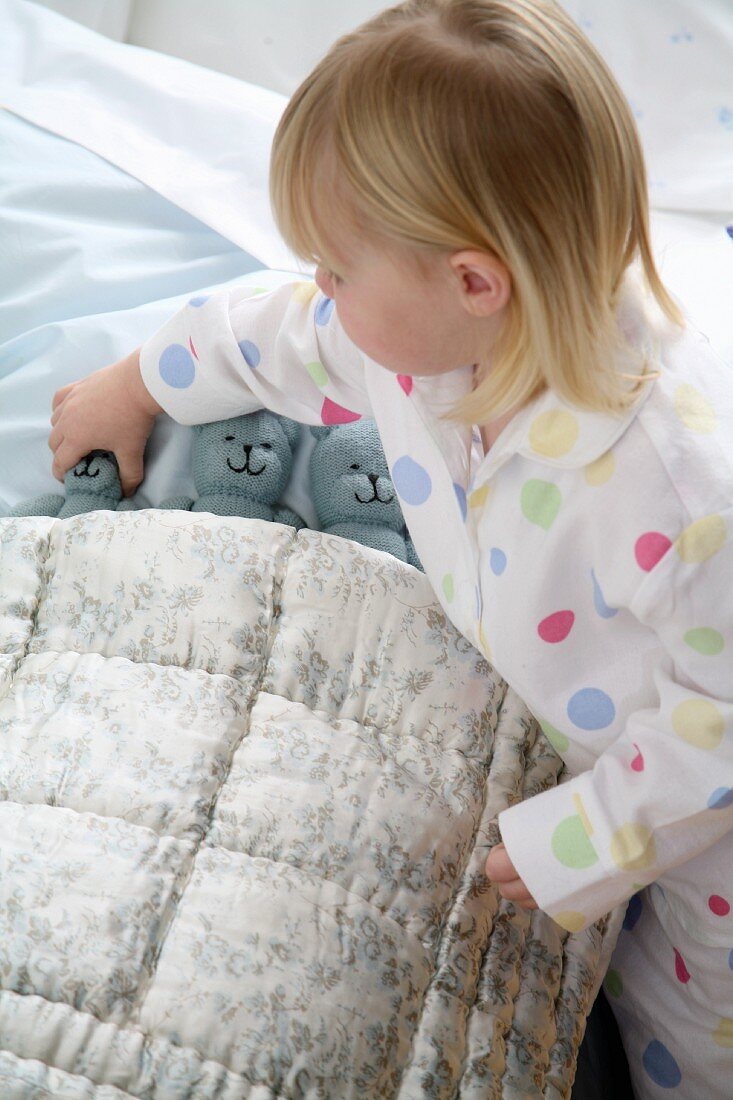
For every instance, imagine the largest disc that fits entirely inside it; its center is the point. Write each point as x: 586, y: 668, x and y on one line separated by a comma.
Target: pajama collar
x: 430, y: 458
x: 548, y: 429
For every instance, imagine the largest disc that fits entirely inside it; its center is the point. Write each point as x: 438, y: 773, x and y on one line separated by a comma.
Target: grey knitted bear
x: 241, y: 467
x: 352, y: 490
x: 93, y: 483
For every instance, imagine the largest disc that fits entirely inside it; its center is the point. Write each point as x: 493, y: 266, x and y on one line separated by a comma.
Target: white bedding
x: 244, y: 815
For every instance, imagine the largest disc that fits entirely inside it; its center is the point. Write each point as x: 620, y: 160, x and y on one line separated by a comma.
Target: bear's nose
x: 247, y: 447
x: 373, y: 479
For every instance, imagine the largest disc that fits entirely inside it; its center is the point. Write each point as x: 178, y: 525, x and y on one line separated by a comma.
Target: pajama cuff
x: 557, y: 853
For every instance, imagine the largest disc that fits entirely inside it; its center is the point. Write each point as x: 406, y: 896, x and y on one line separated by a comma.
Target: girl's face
x: 411, y: 321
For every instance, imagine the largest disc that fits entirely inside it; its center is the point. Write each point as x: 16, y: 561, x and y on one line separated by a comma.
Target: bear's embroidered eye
x: 267, y: 446
x: 355, y: 466
x: 228, y: 437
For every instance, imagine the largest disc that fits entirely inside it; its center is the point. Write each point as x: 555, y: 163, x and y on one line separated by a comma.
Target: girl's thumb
x: 131, y: 472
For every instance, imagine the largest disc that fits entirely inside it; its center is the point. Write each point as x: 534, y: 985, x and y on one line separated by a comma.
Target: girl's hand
x: 501, y: 870
x: 111, y: 410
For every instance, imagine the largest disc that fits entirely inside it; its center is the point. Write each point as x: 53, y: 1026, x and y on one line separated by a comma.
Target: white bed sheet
x: 122, y: 190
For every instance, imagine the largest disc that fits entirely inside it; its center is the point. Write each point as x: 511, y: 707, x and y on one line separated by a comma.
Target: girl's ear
x: 320, y: 432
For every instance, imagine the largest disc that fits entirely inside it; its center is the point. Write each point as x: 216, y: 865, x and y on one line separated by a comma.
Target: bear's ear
x: 320, y: 432
x: 291, y: 429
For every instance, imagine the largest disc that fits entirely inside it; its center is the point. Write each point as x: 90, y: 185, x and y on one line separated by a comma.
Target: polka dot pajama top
x: 588, y: 556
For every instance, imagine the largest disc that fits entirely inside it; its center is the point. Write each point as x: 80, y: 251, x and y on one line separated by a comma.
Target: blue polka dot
x: 177, y: 367
x: 250, y: 352
x: 721, y: 798
x: 729, y: 230
x: 497, y: 561
x: 661, y: 1066
x: 324, y: 309
x: 602, y: 607
x: 199, y: 301
x: 411, y: 480
x: 633, y: 912
x: 730, y: 960
x: 591, y: 709
x: 477, y: 594
x: 461, y: 494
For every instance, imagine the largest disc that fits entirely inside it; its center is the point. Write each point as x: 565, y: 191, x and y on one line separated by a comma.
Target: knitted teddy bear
x: 352, y: 490
x: 241, y: 467
x: 93, y: 483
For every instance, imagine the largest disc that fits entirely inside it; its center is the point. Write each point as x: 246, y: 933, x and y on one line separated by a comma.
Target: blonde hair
x: 491, y: 125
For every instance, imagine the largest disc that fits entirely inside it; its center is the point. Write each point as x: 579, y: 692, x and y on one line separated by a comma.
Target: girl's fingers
x: 518, y: 893
x: 65, y: 458
x: 60, y: 395
x: 55, y: 439
x: 499, y: 867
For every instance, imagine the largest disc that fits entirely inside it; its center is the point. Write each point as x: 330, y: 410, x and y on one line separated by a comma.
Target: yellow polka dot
x: 633, y: 847
x: 598, y: 472
x: 701, y: 539
x: 580, y: 810
x: 694, y: 409
x: 553, y: 433
x: 448, y: 588
x: 570, y: 920
x: 478, y: 497
x: 723, y: 1034
x: 303, y: 292
x: 699, y: 722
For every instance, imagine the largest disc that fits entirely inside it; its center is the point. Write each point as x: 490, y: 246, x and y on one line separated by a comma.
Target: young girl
x: 468, y: 178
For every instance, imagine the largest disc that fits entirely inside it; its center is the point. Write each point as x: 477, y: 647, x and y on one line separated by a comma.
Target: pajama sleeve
x: 238, y: 350
x: 663, y: 791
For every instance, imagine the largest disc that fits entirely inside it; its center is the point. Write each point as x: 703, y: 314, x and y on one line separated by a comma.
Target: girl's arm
x: 236, y: 351
x: 222, y: 355
x: 663, y: 792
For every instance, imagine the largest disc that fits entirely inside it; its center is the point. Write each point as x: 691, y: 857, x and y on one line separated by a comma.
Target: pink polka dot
x: 650, y: 548
x: 718, y: 905
x: 556, y: 627
x: 405, y: 380
x: 331, y: 413
x: 193, y: 349
x: 637, y: 764
x: 683, y: 974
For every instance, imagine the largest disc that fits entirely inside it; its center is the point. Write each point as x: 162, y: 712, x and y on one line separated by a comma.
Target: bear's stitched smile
x: 241, y: 469
x: 373, y: 479
x: 85, y: 471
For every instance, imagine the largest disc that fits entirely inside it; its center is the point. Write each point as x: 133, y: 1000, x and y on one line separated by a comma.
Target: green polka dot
x: 540, y: 502
x: 558, y: 740
x: 317, y: 371
x: 571, y: 846
x: 705, y: 640
x: 613, y: 983
x: 448, y: 586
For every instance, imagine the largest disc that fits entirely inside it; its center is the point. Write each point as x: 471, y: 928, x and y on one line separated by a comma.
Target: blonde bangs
x: 491, y: 125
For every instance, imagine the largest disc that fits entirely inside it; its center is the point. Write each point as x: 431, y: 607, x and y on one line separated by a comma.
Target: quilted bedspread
x: 248, y: 782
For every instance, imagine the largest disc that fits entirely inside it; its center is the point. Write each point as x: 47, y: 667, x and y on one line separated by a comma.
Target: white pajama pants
x: 672, y: 997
